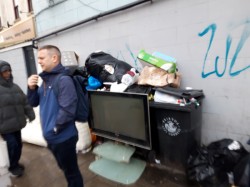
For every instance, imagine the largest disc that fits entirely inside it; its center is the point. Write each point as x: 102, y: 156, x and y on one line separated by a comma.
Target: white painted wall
x: 195, y: 32
x: 16, y: 59
x: 7, y: 13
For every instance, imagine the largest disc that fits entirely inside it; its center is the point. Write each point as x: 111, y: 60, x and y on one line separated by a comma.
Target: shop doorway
x: 30, y: 60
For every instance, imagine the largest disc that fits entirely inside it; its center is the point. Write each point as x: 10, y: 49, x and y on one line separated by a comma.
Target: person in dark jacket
x: 57, y: 112
x: 14, y: 110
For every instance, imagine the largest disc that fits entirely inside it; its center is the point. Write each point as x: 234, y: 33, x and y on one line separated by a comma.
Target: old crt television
x: 121, y: 116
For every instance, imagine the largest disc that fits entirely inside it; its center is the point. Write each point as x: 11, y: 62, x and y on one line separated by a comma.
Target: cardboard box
x: 69, y: 58
x: 170, y: 67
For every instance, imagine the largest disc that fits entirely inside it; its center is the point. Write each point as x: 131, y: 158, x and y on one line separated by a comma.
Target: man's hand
x: 33, y: 81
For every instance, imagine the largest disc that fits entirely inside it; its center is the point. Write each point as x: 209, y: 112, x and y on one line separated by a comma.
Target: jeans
x: 14, y: 145
x: 66, y: 157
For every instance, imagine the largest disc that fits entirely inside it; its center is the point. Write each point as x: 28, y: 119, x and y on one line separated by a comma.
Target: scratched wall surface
x: 53, y: 14
x: 209, y: 39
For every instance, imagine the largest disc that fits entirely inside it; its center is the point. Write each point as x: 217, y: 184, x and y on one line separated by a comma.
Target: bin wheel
x: 151, y: 156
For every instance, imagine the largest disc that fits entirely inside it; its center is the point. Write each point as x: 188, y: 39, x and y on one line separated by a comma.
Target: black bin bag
x: 227, y: 153
x: 209, y: 166
x: 242, y: 172
x: 105, y: 67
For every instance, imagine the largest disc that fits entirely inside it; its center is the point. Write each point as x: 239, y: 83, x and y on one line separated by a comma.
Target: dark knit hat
x: 4, y: 66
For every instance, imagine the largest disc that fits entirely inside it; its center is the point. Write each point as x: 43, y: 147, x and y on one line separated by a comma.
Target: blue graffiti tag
x: 232, y: 72
x: 133, y: 57
x: 134, y: 61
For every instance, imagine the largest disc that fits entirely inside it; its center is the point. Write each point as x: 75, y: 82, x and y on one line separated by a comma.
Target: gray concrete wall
x: 209, y: 39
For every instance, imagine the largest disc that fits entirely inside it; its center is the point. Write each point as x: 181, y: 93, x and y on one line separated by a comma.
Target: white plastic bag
x: 4, y: 157
x: 84, y: 137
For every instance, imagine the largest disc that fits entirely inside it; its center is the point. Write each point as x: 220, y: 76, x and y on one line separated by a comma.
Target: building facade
x: 17, y: 30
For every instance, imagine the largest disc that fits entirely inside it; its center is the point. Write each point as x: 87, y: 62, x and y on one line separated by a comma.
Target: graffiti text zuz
x: 232, y: 69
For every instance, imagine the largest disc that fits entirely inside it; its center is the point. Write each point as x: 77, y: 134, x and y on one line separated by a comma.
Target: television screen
x: 122, y: 117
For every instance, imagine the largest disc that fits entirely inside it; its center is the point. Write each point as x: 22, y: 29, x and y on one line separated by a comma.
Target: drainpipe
x: 34, y: 41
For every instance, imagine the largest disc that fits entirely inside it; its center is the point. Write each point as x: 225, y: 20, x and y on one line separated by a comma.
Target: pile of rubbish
x: 159, y: 78
x: 222, y: 163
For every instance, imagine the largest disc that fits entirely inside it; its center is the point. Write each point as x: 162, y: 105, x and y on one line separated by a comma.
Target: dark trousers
x: 66, y: 157
x: 14, y: 145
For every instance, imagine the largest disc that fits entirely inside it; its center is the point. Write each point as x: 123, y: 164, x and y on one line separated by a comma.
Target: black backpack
x: 82, y: 111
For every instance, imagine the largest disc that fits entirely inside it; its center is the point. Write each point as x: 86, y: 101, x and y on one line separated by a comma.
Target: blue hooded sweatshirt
x: 55, y: 111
